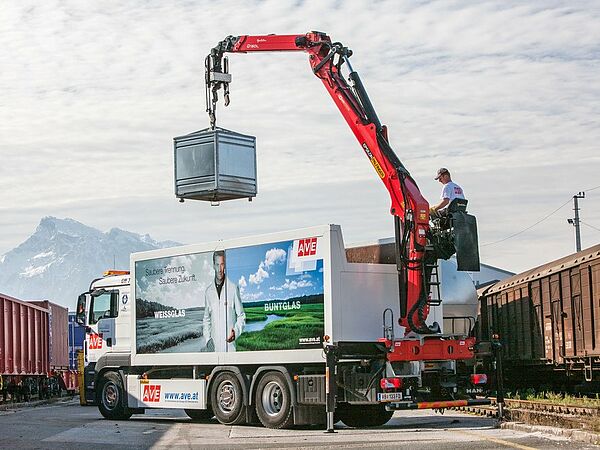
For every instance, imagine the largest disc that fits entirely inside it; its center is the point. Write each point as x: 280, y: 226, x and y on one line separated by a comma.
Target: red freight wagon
x: 58, y: 334
x: 34, y: 358
x: 24, y: 343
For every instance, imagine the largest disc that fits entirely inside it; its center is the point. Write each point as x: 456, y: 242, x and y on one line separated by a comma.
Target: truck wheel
x: 200, y: 415
x: 227, y: 399
x: 358, y: 416
x: 274, y: 401
x: 112, y: 397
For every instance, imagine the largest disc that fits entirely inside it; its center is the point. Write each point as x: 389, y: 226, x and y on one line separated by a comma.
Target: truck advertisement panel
x: 260, y: 297
x: 170, y: 393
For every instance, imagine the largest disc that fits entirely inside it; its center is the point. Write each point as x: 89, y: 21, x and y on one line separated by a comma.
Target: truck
x: 158, y: 339
x: 282, y: 329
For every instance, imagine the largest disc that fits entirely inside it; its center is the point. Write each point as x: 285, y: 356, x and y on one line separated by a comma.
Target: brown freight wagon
x: 546, y: 318
x: 24, y: 343
x: 34, y: 359
x: 58, y: 340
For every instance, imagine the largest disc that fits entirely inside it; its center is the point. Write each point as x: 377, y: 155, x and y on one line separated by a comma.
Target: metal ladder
x: 434, y: 282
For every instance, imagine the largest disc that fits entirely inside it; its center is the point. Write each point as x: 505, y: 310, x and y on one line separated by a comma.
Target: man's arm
x: 440, y: 205
x: 206, y: 319
x: 240, y: 313
x: 446, y: 194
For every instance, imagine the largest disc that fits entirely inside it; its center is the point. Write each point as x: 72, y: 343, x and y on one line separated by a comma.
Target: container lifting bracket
x: 388, y: 326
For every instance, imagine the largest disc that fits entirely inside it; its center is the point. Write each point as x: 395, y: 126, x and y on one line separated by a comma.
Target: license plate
x: 389, y: 396
x: 474, y: 390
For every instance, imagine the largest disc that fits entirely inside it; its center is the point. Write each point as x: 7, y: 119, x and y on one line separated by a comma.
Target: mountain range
x: 60, y: 259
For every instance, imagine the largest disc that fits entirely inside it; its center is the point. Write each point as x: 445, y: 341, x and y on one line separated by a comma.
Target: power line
x: 531, y: 226
x: 592, y: 189
x: 588, y: 225
x: 541, y: 220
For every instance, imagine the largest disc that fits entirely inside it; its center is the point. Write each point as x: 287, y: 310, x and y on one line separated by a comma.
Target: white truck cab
x: 105, y: 311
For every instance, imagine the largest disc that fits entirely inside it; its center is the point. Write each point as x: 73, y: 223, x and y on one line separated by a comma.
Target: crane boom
x: 408, y: 206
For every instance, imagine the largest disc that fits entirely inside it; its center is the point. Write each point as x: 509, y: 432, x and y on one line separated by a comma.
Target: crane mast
x: 408, y: 206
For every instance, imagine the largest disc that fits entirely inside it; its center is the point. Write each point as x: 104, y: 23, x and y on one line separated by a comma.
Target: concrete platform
x: 69, y: 426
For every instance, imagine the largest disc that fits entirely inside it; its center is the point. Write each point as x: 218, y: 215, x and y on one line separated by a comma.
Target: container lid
x: 209, y: 130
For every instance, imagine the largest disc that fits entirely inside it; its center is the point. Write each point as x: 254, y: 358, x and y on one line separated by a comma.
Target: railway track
x: 542, y: 413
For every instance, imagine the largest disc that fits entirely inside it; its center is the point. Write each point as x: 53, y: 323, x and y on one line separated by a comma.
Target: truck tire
x: 273, y: 401
x: 227, y: 399
x: 200, y: 415
x: 358, y: 416
x: 112, y: 397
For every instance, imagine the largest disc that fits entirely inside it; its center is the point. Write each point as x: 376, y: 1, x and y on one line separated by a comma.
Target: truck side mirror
x: 80, y: 312
x: 114, y: 304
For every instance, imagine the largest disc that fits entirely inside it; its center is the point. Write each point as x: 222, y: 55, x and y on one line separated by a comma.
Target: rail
x: 539, y: 412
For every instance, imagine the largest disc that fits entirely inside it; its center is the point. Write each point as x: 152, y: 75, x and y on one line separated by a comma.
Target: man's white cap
x: 441, y: 171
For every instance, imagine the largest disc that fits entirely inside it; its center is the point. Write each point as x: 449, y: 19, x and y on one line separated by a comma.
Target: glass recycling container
x: 215, y: 165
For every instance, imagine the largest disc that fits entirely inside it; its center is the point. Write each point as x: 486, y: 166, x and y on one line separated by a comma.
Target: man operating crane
x: 450, y: 191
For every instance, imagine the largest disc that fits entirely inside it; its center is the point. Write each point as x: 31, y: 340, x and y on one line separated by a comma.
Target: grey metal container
x: 215, y: 165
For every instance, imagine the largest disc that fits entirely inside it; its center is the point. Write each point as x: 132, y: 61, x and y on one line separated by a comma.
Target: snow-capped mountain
x: 63, y: 256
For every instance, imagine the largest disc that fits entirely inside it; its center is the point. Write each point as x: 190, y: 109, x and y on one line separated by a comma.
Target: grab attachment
x: 216, y: 76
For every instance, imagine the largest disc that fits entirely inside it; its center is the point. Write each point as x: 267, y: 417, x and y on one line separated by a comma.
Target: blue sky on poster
x: 261, y: 273
x: 504, y: 93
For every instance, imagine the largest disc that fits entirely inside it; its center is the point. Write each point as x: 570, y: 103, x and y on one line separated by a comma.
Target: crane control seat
x: 443, y: 218
x: 458, y: 205
x: 454, y: 231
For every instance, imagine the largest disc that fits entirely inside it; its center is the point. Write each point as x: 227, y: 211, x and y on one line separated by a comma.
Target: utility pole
x: 575, y: 221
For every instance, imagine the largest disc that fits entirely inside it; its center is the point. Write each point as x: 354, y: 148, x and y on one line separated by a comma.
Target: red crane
x: 409, y: 207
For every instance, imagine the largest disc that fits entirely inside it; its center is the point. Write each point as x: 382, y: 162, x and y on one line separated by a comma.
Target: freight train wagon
x: 34, y: 360
x: 76, y: 340
x: 547, y: 318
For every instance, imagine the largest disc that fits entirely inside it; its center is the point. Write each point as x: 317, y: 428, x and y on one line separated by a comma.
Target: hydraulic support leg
x: 330, y: 384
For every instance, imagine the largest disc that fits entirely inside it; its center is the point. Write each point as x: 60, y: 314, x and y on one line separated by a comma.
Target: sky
x: 504, y: 94
x: 263, y: 272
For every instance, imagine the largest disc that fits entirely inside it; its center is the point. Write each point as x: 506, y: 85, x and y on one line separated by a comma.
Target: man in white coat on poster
x: 224, y: 316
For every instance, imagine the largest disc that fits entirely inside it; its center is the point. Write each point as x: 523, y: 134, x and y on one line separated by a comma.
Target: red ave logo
x: 95, y: 341
x: 307, y: 247
x: 151, y: 393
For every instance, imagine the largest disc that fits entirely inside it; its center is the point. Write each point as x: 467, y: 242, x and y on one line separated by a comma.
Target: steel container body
x: 215, y: 165
x: 24, y: 337
x: 58, y: 346
x: 278, y: 316
x: 459, y: 299
x: 548, y: 315
x: 458, y: 294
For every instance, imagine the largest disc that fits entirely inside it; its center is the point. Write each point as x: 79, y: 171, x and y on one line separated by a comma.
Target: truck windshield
x: 103, y: 305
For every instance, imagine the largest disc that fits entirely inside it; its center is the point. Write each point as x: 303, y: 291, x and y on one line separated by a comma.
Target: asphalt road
x: 69, y: 426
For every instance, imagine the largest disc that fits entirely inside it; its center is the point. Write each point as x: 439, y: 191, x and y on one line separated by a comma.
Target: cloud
x: 473, y: 86
x: 259, y: 276
x: 251, y: 296
x: 272, y: 257
x: 178, y: 295
x: 292, y: 285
